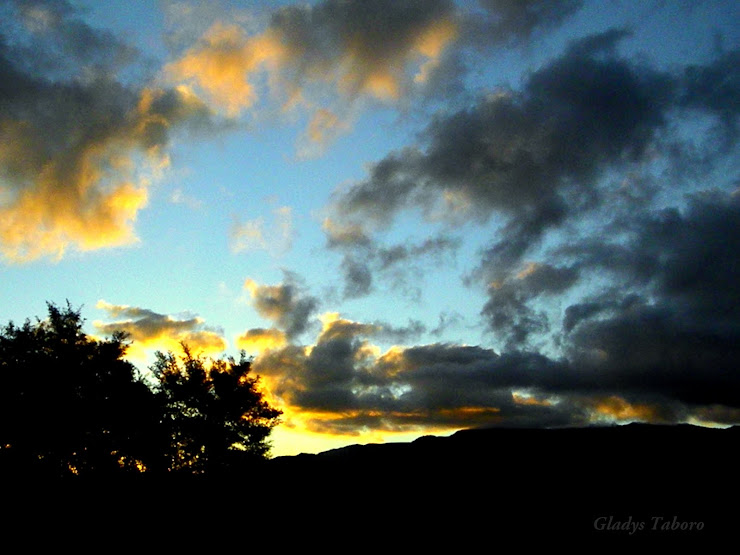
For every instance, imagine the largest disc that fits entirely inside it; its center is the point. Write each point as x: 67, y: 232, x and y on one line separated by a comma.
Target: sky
x: 416, y: 216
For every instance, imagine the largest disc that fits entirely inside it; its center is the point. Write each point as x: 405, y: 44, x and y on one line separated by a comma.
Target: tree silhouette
x: 216, y: 415
x: 70, y: 404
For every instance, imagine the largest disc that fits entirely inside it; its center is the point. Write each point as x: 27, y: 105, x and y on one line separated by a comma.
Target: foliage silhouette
x: 72, y: 405
x: 216, y: 415
x: 66, y: 401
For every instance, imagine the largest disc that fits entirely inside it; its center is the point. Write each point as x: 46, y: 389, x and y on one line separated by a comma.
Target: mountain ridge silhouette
x: 559, y: 479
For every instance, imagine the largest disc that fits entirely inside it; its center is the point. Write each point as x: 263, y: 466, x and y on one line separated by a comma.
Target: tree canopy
x: 72, y: 405
x: 214, y: 412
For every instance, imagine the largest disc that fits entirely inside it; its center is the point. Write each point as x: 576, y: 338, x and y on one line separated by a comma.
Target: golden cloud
x: 258, y: 340
x: 618, y: 409
x: 522, y: 398
x: 151, y: 331
x: 222, y: 63
x: 85, y: 202
x: 80, y: 184
x: 319, y: 53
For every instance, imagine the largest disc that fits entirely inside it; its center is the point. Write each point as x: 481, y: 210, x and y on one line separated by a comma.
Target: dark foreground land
x: 617, y: 483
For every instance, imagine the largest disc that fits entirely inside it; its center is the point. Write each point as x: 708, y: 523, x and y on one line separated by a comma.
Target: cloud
x: 363, y: 258
x: 60, y: 41
x: 149, y: 331
x: 345, y: 384
x: 358, y: 278
x: 323, y: 128
x: 363, y: 48
x: 261, y: 339
x: 323, y: 59
x: 656, y: 339
x: 343, y: 234
x: 251, y: 235
x: 528, y: 155
x: 540, y: 162
x: 78, y: 150
x: 674, y: 321
x: 219, y: 65
x: 286, y: 304
x: 355, y: 48
x: 714, y: 87
x: 178, y: 196
x: 400, y: 254
x: 512, y: 22
x: 330, y: 58
x: 508, y: 311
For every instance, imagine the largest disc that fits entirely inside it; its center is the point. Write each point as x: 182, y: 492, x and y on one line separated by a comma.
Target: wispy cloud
x: 252, y: 235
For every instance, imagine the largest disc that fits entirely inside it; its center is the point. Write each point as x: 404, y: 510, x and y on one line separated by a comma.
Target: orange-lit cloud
x: 618, y: 409
x: 529, y: 399
x: 431, y: 45
x: 81, y: 184
x: 323, y: 128
x: 258, y: 340
x: 716, y: 415
x: 222, y: 64
x: 344, y: 384
x: 150, y: 331
x: 87, y: 199
x: 310, y: 55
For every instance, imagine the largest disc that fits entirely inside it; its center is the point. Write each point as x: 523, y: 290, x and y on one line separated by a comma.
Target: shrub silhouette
x: 72, y: 405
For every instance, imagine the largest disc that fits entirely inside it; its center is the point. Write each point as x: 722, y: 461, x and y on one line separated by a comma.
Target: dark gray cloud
x: 537, y: 159
x: 658, y: 343
x: 493, y: 25
x: 445, y: 321
x: 508, y: 312
x: 380, y: 37
x: 57, y: 41
x: 288, y: 305
x: 403, y: 264
x: 591, y: 307
x: 530, y: 155
x: 399, y: 334
x: 358, y: 278
x: 714, y: 87
x: 680, y: 333
x: 345, y: 385
x: 514, y: 21
x: 400, y: 254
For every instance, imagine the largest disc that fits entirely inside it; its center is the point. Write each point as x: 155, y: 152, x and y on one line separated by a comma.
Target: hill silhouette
x: 554, y: 481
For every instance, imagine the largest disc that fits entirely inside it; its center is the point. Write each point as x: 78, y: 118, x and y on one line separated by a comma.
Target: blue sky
x: 417, y: 216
